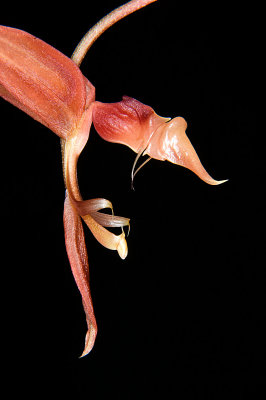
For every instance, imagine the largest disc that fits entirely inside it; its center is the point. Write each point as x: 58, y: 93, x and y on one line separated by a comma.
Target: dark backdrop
x: 183, y: 315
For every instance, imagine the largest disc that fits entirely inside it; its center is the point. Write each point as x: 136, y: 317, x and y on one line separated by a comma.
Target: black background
x: 183, y: 316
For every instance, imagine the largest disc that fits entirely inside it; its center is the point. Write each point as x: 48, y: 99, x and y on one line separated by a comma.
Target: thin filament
x: 133, y: 172
x: 142, y: 165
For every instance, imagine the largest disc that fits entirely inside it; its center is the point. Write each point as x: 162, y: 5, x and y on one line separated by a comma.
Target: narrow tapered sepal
x: 77, y: 254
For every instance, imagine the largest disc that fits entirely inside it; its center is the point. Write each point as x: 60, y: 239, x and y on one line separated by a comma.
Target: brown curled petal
x: 110, y: 221
x: 92, y: 207
x: 77, y: 254
x: 85, y: 207
x: 170, y: 142
x: 42, y: 82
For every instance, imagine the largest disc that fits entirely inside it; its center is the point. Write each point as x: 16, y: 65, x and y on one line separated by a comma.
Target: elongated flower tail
x: 137, y: 126
x: 77, y: 254
x: 42, y: 82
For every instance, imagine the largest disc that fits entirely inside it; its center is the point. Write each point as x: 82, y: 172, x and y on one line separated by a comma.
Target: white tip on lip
x: 214, y: 182
x: 122, y: 247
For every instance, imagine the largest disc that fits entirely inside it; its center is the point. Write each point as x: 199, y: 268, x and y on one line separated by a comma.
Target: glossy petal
x: 170, y: 142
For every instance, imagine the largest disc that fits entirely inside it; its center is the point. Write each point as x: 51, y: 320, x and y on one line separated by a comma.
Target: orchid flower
x: 50, y: 87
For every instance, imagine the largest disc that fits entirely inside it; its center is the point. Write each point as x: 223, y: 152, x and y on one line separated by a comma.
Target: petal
x: 170, y: 142
x: 111, y: 221
x: 77, y: 254
x: 92, y: 207
x: 87, y: 206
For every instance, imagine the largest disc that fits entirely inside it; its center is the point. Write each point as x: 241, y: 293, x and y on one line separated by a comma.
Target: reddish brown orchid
x: 50, y: 87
